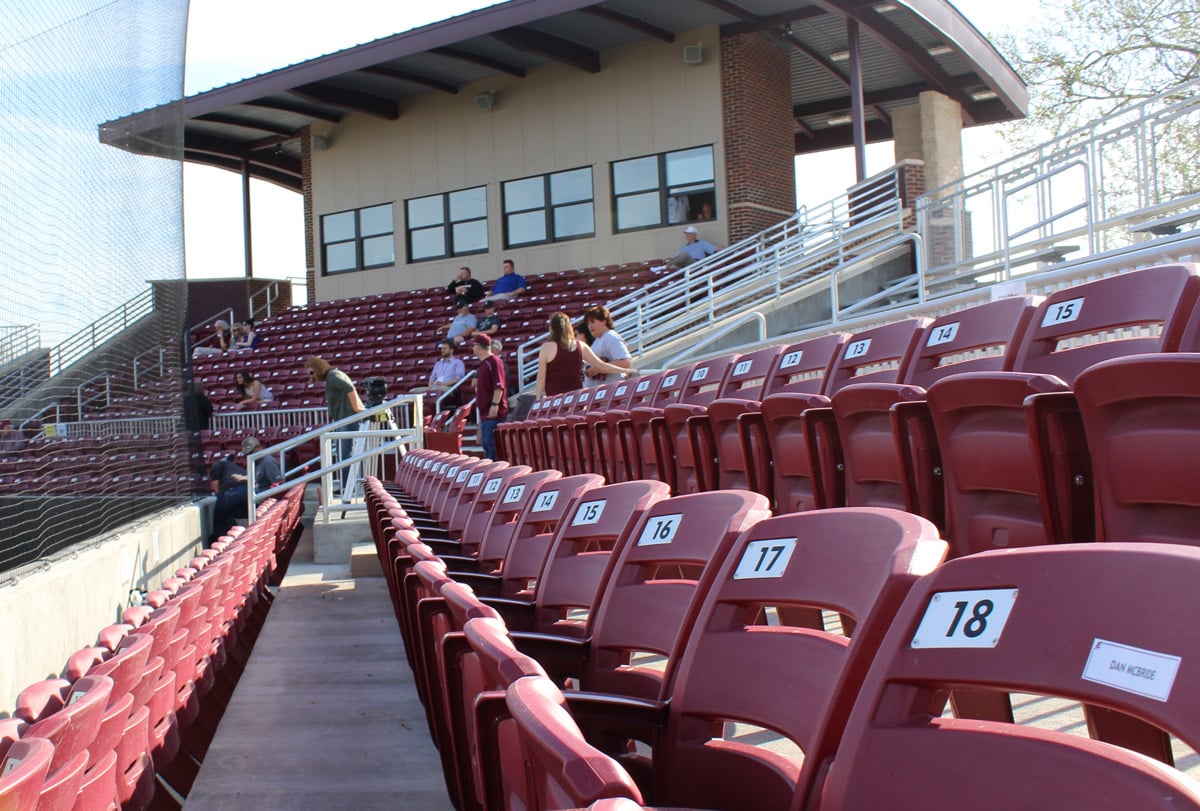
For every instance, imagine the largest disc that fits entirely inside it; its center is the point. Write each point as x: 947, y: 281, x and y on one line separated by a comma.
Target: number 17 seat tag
x: 964, y: 619
x: 765, y: 559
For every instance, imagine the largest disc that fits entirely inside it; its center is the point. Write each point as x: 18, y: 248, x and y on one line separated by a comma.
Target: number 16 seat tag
x: 964, y: 619
x: 765, y: 559
x: 659, y: 530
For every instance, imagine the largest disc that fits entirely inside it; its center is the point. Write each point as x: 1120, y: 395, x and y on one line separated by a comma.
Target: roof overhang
x: 907, y: 47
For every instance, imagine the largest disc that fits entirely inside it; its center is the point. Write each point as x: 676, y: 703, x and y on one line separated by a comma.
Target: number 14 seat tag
x: 964, y: 619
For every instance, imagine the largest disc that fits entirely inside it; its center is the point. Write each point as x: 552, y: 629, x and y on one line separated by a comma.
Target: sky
x: 226, y: 44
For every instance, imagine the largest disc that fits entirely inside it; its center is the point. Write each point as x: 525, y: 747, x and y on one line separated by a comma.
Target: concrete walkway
x: 326, y: 714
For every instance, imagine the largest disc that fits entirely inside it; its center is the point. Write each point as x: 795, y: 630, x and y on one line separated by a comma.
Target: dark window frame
x: 663, y: 190
x: 357, y: 240
x: 548, y: 208
x: 447, y: 225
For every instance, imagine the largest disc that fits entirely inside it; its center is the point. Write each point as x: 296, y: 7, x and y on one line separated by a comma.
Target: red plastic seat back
x: 511, y: 495
x: 704, y: 381
x: 747, y: 377
x: 1140, y: 415
x: 1041, y: 621
x: 670, y: 388
x: 805, y: 367
x: 650, y: 600
x: 984, y: 338
x: 879, y: 355
x: 563, y: 770
x: 760, y: 653
x: 472, y: 482
x: 23, y: 769
x: 582, y: 550
x: 549, y: 500
x: 796, y: 485
x: 1133, y: 313
x: 993, y: 496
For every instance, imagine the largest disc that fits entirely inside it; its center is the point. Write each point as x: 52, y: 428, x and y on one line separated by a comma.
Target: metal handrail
x: 18, y: 340
x: 968, y: 224
x: 770, y: 264
x: 398, y: 438
x: 437, y: 405
x: 101, y: 330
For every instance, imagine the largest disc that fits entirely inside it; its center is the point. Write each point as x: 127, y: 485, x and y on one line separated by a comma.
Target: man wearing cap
x: 693, y: 249
x: 490, y: 396
x: 228, y: 481
x: 490, y: 323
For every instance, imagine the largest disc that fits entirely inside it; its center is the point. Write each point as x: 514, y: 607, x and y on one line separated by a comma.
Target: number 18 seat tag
x: 659, y: 529
x: 765, y: 559
x: 964, y: 619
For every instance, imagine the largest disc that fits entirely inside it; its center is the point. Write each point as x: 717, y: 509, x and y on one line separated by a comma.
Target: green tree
x: 1086, y: 59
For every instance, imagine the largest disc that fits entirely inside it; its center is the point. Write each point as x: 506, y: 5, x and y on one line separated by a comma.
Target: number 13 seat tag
x: 964, y: 619
x: 765, y: 559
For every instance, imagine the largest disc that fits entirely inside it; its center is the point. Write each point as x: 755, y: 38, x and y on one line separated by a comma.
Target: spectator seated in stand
x: 490, y: 323
x: 219, y: 344
x: 693, y: 249
x: 228, y: 480
x: 508, y: 286
x: 464, y: 288
x: 244, y: 336
x: 447, y: 371
x: 463, y: 325
x: 251, y: 390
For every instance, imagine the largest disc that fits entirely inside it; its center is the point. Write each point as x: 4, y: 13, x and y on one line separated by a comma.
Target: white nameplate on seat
x: 514, y: 493
x: 544, y: 501
x: 742, y: 367
x: 10, y: 765
x: 659, y: 529
x: 1134, y: 670
x: 557, y: 402
x: 588, y: 512
x: 858, y: 348
x: 462, y: 475
x: 1063, y: 312
x: 763, y: 559
x: 669, y: 381
x: 642, y: 386
x: 570, y: 398
x: 492, y: 486
x: 75, y: 696
x: 791, y: 359
x: 943, y: 334
x: 475, y: 479
x: 600, y: 393
x: 583, y: 397
x: 965, y: 619
x: 700, y: 373
x: 450, y: 474
x: 620, y: 390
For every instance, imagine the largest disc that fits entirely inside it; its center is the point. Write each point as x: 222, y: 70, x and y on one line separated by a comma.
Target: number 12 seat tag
x: 964, y: 619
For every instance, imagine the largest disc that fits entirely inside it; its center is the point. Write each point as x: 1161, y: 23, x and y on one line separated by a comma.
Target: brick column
x: 760, y: 141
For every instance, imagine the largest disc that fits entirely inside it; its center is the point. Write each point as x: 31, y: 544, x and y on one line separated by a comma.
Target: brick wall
x: 760, y: 144
x: 310, y: 262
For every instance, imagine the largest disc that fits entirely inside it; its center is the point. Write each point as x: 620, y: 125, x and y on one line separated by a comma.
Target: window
x: 549, y: 208
x: 442, y: 225
x: 358, y: 239
x: 668, y: 188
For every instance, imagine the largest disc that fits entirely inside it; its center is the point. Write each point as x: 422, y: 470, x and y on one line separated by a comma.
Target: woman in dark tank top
x: 560, y: 360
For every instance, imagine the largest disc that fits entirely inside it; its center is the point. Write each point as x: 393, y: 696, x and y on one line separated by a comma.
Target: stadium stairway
x: 326, y: 715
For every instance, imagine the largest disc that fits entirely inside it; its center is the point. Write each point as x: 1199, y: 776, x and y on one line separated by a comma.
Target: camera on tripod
x: 376, y: 391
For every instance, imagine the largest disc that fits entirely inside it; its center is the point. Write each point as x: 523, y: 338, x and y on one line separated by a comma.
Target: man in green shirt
x: 341, y: 397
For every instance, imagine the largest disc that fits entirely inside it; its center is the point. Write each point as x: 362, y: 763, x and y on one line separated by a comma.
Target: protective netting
x: 92, y: 297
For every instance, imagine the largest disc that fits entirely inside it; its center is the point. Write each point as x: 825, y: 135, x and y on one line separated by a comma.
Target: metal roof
x: 906, y: 47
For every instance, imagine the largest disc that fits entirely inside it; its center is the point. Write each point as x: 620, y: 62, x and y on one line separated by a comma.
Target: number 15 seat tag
x: 765, y: 559
x: 964, y: 619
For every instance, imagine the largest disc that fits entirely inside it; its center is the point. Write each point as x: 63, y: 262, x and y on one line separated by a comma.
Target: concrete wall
x: 644, y: 100
x: 57, y: 608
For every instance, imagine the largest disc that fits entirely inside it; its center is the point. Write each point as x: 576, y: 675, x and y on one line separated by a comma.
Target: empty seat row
x: 839, y: 632
x: 139, y: 707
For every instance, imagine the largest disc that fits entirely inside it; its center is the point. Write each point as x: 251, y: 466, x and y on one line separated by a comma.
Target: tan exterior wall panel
x: 643, y: 101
